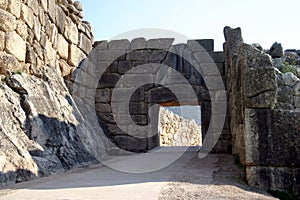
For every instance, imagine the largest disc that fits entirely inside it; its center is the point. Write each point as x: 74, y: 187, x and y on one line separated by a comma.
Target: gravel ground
x: 214, y: 177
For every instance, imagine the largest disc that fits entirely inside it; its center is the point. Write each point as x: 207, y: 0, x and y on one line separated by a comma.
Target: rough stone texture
x: 47, y: 136
x: 62, y: 47
x: 289, y: 79
x: 274, y: 179
x: 272, y: 138
x: 259, y: 87
x: 276, y: 51
x: 19, y: 50
x: 178, y: 131
x: 75, y: 55
x: 133, y: 64
x: 234, y: 40
x: 266, y: 139
x: 8, y: 63
x: 47, y: 26
x: 42, y: 131
x: 8, y: 21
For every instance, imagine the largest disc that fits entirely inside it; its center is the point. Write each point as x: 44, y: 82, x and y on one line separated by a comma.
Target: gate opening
x: 180, y: 125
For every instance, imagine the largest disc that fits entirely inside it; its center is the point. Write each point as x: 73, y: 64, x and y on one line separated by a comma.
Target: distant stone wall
x: 38, y: 33
x: 264, y: 109
x: 176, y: 130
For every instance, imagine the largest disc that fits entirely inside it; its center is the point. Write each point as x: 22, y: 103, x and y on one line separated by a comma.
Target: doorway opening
x: 180, y: 125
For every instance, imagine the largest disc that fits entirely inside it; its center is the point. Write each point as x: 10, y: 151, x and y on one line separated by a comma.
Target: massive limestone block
x: 71, y: 31
x: 27, y: 15
x: 272, y: 138
x: 8, y: 21
x: 15, y: 45
x: 14, y: 7
x: 258, y: 77
x: 260, y: 87
x: 8, y: 63
x: 276, y: 179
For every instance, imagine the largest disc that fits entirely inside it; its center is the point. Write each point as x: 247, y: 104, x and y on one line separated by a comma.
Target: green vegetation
x: 289, y: 68
x: 19, y: 72
x: 282, y: 195
x: 3, y: 80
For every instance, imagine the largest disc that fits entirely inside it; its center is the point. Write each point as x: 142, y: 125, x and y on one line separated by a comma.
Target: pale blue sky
x: 262, y: 21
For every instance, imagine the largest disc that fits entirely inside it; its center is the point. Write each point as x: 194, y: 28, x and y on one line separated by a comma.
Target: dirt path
x: 214, y: 177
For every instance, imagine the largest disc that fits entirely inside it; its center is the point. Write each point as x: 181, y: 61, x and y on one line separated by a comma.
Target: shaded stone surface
x: 272, y: 138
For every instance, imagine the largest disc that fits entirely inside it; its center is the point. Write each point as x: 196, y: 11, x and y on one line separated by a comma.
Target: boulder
x: 276, y: 51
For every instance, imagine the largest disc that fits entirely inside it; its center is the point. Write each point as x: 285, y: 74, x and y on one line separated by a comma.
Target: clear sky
x: 262, y: 21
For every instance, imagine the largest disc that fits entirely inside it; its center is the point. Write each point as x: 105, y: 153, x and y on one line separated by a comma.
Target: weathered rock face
x: 276, y: 51
x: 178, y: 131
x: 41, y: 129
x: 263, y: 95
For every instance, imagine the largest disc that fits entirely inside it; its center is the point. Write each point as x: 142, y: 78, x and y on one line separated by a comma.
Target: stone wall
x: 176, y: 130
x: 264, y: 115
x: 126, y: 81
x: 41, y: 129
x: 38, y: 33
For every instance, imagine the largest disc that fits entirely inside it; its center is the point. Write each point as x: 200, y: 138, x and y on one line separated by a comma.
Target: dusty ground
x: 215, y: 177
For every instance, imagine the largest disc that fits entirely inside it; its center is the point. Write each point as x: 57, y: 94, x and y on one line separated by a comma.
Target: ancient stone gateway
x: 124, y: 83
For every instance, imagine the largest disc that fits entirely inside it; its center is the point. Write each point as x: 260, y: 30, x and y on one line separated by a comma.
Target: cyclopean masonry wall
x: 125, y: 81
x: 264, y: 114
x: 38, y: 33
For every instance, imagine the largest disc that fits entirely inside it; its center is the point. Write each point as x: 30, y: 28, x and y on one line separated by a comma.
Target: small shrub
x: 289, y: 68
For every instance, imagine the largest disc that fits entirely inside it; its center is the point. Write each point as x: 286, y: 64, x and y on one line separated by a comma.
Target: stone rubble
x: 178, y: 131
